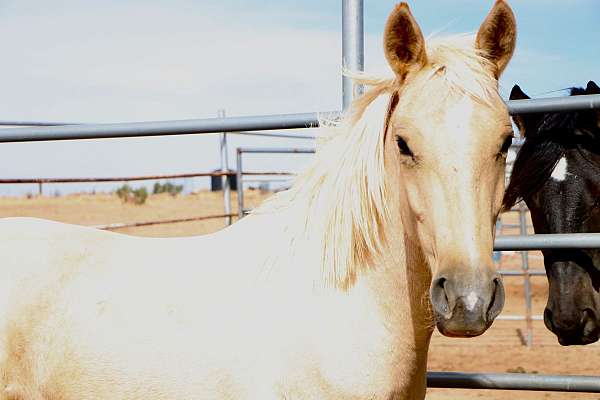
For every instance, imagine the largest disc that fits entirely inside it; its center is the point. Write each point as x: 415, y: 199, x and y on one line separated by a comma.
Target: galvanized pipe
x: 253, y: 123
x: 518, y: 318
x: 276, y: 150
x: 507, y: 381
x: 531, y: 272
x: 162, y: 128
x: 224, y: 170
x: 548, y: 241
x: 353, y: 47
x: 526, y: 280
x: 240, y: 183
x: 554, y: 104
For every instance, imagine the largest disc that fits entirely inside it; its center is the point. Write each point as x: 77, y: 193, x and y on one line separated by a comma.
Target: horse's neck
x: 401, y: 279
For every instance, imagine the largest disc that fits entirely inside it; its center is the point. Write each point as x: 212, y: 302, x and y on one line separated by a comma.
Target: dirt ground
x: 500, y: 349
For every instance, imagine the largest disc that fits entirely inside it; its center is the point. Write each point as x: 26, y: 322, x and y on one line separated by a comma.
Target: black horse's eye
x: 506, y: 145
x: 404, y: 149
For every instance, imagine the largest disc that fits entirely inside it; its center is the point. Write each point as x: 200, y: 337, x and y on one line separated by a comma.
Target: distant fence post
x: 225, y: 169
x: 240, y: 183
x: 527, y: 280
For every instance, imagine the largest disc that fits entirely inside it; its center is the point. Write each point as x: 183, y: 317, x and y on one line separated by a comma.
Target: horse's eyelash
x: 403, y: 146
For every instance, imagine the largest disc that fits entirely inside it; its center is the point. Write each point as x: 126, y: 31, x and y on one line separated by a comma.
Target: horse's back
x: 96, y: 307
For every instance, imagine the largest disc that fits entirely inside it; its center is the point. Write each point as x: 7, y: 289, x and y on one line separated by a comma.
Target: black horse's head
x: 557, y: 174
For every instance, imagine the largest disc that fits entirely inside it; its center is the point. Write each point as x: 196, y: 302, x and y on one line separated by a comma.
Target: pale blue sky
x: 137, y: 60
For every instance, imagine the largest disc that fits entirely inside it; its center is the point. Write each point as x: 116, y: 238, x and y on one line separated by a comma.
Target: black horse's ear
x: 527, y: 123
x: 517, y: 94
x: 592, y: 88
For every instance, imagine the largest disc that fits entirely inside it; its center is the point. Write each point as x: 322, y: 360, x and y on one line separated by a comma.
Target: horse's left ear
x: 592, y: 88
x: 497, y: 36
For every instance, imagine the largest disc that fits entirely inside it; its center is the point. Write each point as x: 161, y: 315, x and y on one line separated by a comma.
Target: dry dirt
x: 500, y: 349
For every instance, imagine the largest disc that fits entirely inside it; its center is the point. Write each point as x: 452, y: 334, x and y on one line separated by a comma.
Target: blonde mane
x: 339, y: 202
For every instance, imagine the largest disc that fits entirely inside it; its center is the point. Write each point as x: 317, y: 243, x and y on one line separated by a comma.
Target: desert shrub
x: 167, y: 187
x: 129, y: 195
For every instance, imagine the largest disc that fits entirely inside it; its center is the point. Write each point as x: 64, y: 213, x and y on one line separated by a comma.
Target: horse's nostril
x: 548, y: 319
x: 497, y: 300
x: 439, y: 297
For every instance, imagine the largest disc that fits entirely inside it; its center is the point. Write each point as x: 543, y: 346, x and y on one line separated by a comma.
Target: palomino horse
x: 557, y: 173
x: 326, y: 295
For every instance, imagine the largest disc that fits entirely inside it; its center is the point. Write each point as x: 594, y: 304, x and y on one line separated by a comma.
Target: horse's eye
x: 506, y: 145
x: 404, y: 149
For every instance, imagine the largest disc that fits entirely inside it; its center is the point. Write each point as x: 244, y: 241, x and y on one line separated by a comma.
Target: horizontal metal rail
x: 139, y: 178
x: 548, y: 241
x: 531, y: 272
x: 121, y: 225
x: 163, y: 128
x: 513, y: 381
x: 519, y: 317
x: 252, y: 123
x: 37, y: 123
x: 275, y: 135
x: 554, y: 104
x: 275, y: 150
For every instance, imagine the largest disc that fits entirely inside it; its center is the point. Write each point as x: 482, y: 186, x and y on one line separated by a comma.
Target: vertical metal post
x: 224, y: 169
x: 353, y: 47
x: 40, y: 189
x: 240, y: 184
x: 527, y: 281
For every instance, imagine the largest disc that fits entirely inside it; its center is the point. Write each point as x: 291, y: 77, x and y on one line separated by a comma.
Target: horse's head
x: 446, y: 140
x: 557, y: 173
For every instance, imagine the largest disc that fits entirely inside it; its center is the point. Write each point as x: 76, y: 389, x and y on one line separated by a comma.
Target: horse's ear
x: 517, y: 94
x: 403, y: 42
x: 497, y: 36
x: 592, y: 88
x: 527, y: 123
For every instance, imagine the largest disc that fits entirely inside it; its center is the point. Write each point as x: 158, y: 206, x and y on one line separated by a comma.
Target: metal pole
x: 353, y: 47
x: 240, y: 184
x: 526, y: 278
x: 535, y: 382
x: 225, y: 169
x: 548, y: 241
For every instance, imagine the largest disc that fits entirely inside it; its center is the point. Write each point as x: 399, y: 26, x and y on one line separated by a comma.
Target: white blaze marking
x: 471, y: 300
x: 560, y: 171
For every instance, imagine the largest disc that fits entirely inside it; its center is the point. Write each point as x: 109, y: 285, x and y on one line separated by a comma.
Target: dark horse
x: 557, y: 174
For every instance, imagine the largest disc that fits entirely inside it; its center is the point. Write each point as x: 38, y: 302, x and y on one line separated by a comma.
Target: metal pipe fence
x: 514, y: 381
x: 252, y: 123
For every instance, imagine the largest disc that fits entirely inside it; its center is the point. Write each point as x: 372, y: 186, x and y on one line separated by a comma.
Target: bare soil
x: 500, y: 349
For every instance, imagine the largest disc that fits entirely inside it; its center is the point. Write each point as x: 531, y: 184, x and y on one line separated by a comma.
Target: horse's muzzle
x: 586, y: 330
x: 466, y: 307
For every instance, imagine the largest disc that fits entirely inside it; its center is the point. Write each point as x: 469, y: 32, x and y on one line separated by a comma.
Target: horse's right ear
x: 403, y: 42
x: 527, y: 123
